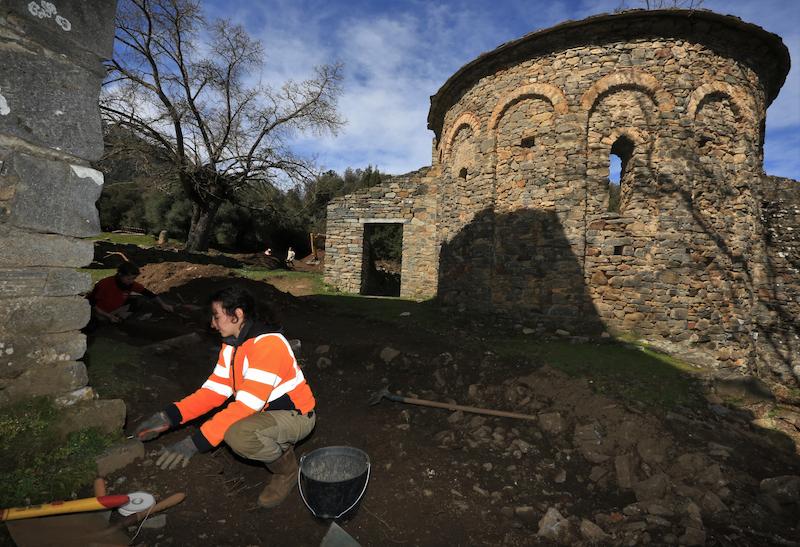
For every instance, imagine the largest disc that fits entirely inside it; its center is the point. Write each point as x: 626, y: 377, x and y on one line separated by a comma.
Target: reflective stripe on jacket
x: 261, y: 374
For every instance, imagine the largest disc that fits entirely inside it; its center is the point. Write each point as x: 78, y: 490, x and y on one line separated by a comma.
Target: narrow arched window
x: 619, y: 160
x: 462, y: 174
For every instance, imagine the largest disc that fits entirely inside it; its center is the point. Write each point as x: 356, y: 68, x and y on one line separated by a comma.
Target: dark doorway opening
x: 382, y: 262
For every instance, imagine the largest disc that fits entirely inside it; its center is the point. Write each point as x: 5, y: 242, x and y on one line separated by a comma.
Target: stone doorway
x: 382, y: 259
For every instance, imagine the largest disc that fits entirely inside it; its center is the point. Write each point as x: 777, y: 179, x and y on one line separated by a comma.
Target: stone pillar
x: 50, y: 131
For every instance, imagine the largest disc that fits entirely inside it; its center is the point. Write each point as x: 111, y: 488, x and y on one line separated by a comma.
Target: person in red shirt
x: 269, y: 406
x: 111, y: 297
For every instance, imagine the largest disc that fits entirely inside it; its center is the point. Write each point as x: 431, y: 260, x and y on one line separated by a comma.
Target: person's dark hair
x: 128, y: 268
x: 233, y: 297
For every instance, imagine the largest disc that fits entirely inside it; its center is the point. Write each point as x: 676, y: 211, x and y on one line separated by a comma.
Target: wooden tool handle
x: 471, y: 409
x: 166, y: 503
x: 100, y: 487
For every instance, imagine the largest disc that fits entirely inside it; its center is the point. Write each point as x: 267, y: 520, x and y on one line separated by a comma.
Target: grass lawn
x: 621, y: 370
x: 142, y: 240
x: 98, y: 274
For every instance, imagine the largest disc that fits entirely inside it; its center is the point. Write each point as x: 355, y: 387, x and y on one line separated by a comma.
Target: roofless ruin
x: 692, y: 248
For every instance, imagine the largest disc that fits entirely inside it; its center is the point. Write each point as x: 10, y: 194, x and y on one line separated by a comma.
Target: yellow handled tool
x: 60, y: 507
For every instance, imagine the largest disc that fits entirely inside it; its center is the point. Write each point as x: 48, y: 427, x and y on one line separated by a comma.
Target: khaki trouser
x: 266, y: 435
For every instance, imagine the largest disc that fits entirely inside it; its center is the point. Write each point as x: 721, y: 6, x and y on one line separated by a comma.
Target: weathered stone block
x: 106, y: 415
x: 50, y: 196
x: 18, y: 351
x: 16, y: 283
x: 119, y: 456
x: 49, y: 379
x: 49, y: 102
x: 21, y: 248
x: 66, y: 27
x: 43, y: 315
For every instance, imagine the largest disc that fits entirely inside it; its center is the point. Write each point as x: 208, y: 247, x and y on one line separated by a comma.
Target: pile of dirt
x: 111, y: 255
x: 162, y: 277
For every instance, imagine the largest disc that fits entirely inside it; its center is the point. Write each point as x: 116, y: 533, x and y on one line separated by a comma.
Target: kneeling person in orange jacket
x: 272, y: 407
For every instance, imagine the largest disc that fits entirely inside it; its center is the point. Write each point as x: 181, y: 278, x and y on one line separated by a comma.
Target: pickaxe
x: 385, y: 393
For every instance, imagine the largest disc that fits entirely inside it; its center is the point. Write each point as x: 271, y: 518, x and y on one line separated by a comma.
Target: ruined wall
x: 689, y: 257
x: 777, y: 312
x: 407, y: 200
x: 49, y: 132
x: 682, y: 101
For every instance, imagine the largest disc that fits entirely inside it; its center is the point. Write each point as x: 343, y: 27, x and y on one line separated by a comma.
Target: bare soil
x: 451, y: 478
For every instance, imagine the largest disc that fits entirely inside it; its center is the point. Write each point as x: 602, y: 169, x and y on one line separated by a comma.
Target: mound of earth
x: 111, y: 255
x: 162, y: 277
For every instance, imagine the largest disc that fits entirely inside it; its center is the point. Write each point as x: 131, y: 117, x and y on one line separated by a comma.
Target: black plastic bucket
x: 333, y: 479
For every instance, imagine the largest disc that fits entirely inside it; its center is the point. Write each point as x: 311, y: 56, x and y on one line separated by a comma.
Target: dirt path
x: 612, y: 471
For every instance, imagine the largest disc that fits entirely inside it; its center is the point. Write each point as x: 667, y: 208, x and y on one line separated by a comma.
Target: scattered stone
x: 560, y: 477
x: 155, y: 522
x: 119, y: 456
x: 323, y: 363
x: 592, y: 532
x: 388, y: 354
x: 659, y: 510
x: 652, y: 488
x: 107, y: 415
x: 526, y: 514
x: 527, y: 330
x: 551, y: 423
x: 591, y: 443
x: 598, y: 473
x: 322, y: 350
x: 554, y: 527
x: 653, y: 450
x: 405, y: 314
x: 654, y: 521
x: 784, y: 489
x: 456, y: 417
x: 693, y: 536
x: 562, y: 332
x: 712, y: 505
x: 623, y: 464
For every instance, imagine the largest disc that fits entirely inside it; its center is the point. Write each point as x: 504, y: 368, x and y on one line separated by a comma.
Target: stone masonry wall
x: 50, y: 130
x: 778, y: 300
x: 407, y: 200
x: 682, y: 102
x: 697, y: 255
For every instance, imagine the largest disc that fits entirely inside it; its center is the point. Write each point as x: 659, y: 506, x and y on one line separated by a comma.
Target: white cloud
x: 397, y: 54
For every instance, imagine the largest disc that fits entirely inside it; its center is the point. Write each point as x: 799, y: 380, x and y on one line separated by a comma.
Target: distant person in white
x: 290, y: 258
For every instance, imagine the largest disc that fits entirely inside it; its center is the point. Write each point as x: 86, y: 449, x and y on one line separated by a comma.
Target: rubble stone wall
x: 406, y: 200
x: 525, y: 223
x: 50, y: 131
x: 682, y: 102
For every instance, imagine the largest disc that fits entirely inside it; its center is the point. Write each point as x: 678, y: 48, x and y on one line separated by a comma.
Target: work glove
x: 152, y: 427
x: 177, y: 454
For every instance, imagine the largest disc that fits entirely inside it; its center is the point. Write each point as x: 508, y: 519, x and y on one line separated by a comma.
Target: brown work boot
x: 284, y: 476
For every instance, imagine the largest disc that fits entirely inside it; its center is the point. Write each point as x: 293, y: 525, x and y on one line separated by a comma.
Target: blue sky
x: 398, y: 53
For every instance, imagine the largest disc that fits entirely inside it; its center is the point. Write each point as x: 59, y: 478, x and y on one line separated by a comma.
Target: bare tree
x: 203, y: 103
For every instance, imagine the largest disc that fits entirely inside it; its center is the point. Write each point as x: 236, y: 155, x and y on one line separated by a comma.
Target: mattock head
x: 378, y: 395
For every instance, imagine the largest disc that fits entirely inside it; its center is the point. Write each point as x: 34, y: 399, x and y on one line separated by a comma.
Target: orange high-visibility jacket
x: 261, y: 373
